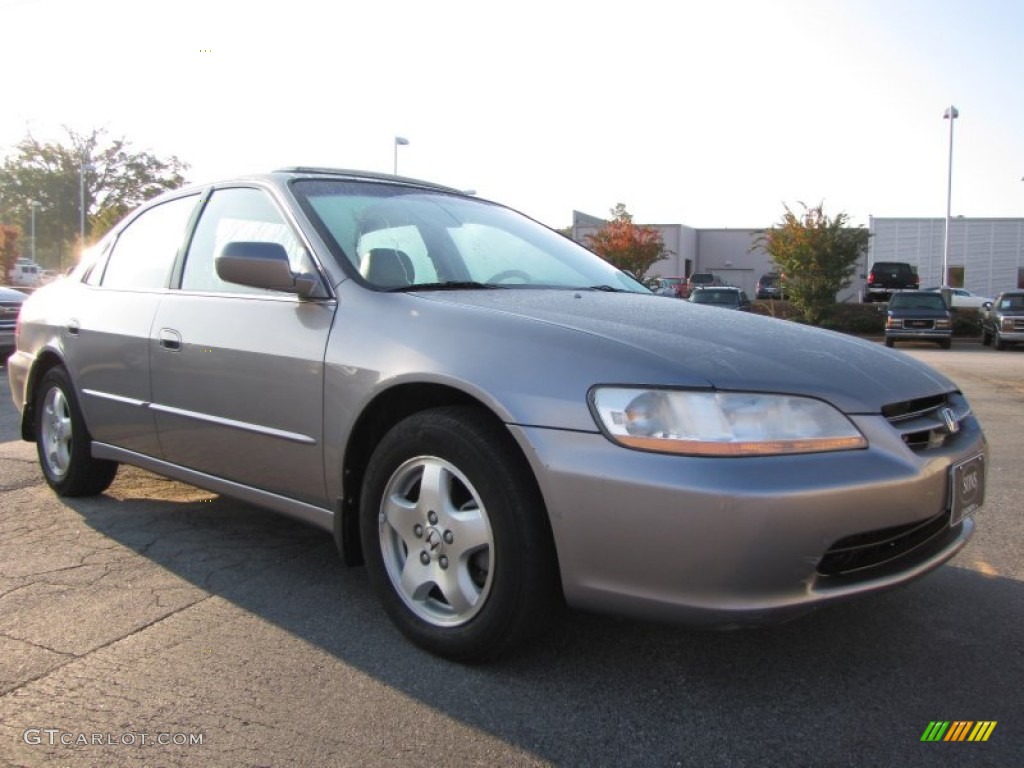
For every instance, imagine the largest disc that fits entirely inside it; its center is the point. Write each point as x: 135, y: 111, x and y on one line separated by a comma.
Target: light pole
x: 950, y: 114
x: 82, y: 168
x: 34, y: 205
x: 399, y: 142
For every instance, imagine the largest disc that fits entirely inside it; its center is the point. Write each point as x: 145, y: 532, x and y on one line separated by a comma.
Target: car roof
x: 281, y: 176
x: 356, y: 175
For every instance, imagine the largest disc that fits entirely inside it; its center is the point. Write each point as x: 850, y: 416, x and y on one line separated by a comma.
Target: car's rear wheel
x: 62, y: 440
x: 986, y: 339
x: 455, y: 535
x: 889, y: 342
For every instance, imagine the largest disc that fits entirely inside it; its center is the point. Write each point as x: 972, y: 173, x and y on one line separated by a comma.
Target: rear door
x: 105, y: 338
x: 238, y: 372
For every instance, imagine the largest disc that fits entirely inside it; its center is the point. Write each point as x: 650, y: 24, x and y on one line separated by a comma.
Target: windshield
x: 917, y: 301
x: 401, y: 238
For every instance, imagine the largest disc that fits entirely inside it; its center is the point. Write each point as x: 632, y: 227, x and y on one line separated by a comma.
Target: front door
x: 238, y: 372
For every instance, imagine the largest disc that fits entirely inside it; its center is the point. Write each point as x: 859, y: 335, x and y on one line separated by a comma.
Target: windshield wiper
x: 605, y: 288
x: 447, y: 285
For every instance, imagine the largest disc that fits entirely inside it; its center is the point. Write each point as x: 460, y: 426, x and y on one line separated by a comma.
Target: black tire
x: 889, y: 342
x: 946, y: 343
x: 1000, y: 344
x: 986, y: 339
x: 63, y: 442
x: 476, y: 550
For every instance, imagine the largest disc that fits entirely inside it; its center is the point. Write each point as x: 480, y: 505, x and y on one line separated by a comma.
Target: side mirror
x: 987, y: 305
x: 263, y: 265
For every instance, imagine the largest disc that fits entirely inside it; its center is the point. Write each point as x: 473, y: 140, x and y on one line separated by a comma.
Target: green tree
x: 818, y: 256
x: 626, y: 245
x: 111, y: 177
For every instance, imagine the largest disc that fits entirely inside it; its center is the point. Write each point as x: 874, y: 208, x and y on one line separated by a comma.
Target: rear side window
x: 145, y: 250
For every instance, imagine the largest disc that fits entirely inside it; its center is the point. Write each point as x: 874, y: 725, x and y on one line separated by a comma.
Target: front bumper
x: 1013, y: 336
x: 919, y: 334
x: 738, y: 541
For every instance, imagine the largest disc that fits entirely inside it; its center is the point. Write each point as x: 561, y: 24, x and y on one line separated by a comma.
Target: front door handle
x: 170, y: 339
x: 73, y: 327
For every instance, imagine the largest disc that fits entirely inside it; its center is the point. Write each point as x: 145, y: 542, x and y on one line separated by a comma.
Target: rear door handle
x: 170, y: 339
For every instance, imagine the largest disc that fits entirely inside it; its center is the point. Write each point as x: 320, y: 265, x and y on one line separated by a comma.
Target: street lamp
x: 34, y: 205
x: 81, y: 198
x: 950, y: 114
x: 399, y: 142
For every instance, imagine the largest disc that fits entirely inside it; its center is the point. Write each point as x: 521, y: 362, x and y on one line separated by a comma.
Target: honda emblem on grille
x: 949, y: 417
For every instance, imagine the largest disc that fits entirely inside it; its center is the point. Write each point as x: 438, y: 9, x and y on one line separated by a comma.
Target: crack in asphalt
x: 73, y: 657
x: 41, y: 646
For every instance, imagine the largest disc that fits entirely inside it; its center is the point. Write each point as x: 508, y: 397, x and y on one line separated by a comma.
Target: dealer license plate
x: 966, y: 487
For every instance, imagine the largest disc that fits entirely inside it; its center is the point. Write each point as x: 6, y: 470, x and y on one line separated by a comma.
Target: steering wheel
x: 510, y: 274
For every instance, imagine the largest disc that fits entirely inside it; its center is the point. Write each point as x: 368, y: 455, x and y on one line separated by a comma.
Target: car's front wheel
x: 1000, y: 343
x: 62, y: 440
x: 455, y: 535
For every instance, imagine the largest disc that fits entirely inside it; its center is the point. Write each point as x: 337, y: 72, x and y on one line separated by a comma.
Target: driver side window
x: 238, y: 214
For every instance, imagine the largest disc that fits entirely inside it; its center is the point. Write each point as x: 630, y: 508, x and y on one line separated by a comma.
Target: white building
x: 986, y: 256
x: 729, y: 253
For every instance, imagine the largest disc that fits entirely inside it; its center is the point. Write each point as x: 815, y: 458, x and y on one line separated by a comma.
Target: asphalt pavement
x: 159, y: 624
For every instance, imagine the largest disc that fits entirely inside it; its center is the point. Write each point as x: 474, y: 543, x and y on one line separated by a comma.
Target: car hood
x: 713, y: 347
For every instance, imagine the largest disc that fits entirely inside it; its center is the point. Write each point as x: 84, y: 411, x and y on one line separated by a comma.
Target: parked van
x: 26, y: 273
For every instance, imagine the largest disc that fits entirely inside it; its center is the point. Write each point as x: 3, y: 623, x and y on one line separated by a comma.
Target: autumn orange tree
x: 9, y: 235
x: 626, y: 245
x: 818, y: 255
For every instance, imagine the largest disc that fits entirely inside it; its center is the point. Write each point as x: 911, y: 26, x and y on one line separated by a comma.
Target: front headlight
x: 721, y: 423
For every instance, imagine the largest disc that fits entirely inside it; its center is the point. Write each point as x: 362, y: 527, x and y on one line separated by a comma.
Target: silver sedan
x: 491, y: 417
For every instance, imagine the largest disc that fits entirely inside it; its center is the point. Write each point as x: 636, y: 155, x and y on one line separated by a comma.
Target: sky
x: 709, y: 114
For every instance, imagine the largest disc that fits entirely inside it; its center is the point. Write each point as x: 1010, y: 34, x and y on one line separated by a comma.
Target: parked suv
x: 919, y: 316
x: 1003, y: 320
x: 887, y: 277
x: 699, y: 280
x: 722, y: 296
x: 770, y: 286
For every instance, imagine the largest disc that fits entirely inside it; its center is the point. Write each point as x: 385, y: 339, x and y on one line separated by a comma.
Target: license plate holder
x: 966, y: 488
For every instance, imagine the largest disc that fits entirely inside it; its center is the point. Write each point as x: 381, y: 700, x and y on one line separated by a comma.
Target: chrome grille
x: 928, y: 422
x: 9, y: 313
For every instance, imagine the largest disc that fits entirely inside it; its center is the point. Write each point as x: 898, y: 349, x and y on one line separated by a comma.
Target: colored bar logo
x: 958, y: 730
